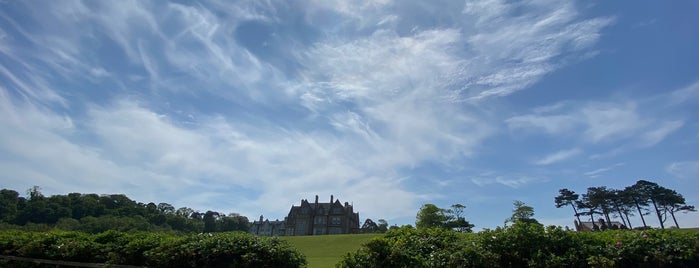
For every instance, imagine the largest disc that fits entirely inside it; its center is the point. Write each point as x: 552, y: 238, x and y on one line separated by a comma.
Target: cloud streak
x: 597, y: 122
x: 558, y: 156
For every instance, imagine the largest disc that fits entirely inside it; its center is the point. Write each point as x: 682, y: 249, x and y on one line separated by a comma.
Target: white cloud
x: 610, y: 121
x: 688, y: 170
x: 523, y: 47
x: 558, y: 156
x: 659, y: 132
x: 597, y: 122
x: 39, y: 144
x: 550, y: 124
x: 143, y: 154
x: 598, y: 172
x: 379, y: 99
x: 392, y: 83
x: 510, y: 180
x: 688, y: 93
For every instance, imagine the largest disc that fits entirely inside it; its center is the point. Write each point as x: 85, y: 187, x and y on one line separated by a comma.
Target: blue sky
x: 250, y: 106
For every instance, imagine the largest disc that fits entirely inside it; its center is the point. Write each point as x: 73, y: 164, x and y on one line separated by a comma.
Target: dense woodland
x: 94, y: 213
x: 641, y: 199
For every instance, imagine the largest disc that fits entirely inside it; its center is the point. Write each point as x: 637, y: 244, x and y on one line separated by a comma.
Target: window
x: 301, y: 226
x: 318, y: 231
x: 319, y: 220
x: 335, y: 220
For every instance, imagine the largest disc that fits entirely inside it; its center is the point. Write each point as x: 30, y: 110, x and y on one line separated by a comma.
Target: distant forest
x: 95, y: 213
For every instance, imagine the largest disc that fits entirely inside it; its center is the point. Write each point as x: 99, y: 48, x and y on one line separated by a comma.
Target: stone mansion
x: 311, y: 219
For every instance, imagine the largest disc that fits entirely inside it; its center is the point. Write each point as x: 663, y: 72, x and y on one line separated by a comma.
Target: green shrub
x: 528, y: 245
x: 152, y: 249
x: 408, y: 247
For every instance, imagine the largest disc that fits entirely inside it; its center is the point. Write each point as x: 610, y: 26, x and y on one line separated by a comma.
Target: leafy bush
x: 528, y: 245
x: 152, y: 249
x: 409, y: 247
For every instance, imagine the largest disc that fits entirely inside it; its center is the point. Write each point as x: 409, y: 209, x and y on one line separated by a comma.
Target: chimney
x: 316, y: 199
x: 331, y: 199
x: 261, y: 218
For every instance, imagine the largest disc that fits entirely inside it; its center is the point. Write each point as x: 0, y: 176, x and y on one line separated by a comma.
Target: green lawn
x: 690, y: 230
x: 326, y: 250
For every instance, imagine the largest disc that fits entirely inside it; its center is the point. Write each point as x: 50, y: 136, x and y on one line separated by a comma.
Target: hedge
x: 152, y: 249
x: 528, y: 245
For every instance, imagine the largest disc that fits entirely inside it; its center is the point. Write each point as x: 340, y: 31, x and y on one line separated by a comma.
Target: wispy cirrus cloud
x: 274, y: 100
x: 511, y: 180
x: 525, y: 47
x: 558, y: 156
x: 598, y: 172
x: 598, y: 123
x: 684, y: 169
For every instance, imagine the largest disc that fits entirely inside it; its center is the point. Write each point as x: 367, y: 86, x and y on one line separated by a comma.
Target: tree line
x: 97, y: 213
x: 432, y: 216
x: 642, y: 199
x: 370, y: 226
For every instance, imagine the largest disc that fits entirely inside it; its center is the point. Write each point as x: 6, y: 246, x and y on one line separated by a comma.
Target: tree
x: 567, y: 198
x: 521, y: 213
x: 382, y: 226
x: 184, y: 212
x: 431, y: 216
x: 591, y: 208
x: 166, y: 208
x: 8, y: 205
x: 457, y: 210
x: 34, y: 193
x: 638, y: 200
x: 233, y: 222
x: 600, y: 198
x: 369, y: 226
x: 670, y: 201
x: 210, y: 219
x: 84, y: 205
x: 120, y: 205
x: 651, y: 191
x: 623, y: 203
x: 460, y: 225
x: 456, y: 220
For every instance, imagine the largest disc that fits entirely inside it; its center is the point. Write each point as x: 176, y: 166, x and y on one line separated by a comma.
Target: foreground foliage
x: 525, y: 244
x: 152, y: 249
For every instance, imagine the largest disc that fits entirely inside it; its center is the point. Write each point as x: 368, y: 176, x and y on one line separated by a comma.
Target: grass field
x: 690, y: 230
x: 324, y: 251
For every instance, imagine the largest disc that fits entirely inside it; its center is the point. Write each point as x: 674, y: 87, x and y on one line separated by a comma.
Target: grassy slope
x: 326, y: 250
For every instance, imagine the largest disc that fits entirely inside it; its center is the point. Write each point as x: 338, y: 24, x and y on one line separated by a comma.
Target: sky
x: 251, y: 106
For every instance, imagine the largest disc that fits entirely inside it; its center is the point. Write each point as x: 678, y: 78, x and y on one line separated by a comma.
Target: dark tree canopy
x: 521, y: 213
x: 568, y: 198
x: 96, y: 213
x: 431, y: 216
